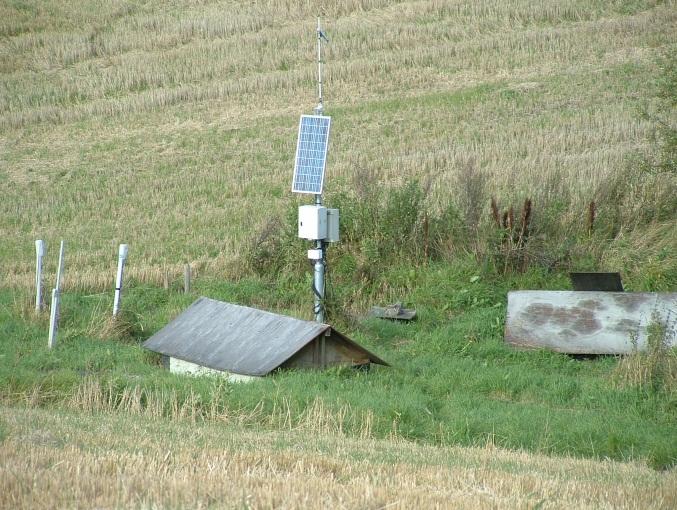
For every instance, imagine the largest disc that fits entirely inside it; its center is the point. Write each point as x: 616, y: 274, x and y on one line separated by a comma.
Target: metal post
x: 318, y: 255
x: 320, y: 35
x: 318, y: 285
x: 122, y: 257
x: 319, y: 67
x: 318, y: 274
x: 39, y: 254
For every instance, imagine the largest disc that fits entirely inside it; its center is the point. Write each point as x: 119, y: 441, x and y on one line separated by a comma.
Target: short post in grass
x: 122, y: 258
x: 53, y: 319
x: 39, y: 254
x: 56, y: 300
x: 59, y: 270
x: 186, y: 279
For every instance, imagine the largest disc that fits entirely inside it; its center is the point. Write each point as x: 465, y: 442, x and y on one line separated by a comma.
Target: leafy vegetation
x: 654, y: 370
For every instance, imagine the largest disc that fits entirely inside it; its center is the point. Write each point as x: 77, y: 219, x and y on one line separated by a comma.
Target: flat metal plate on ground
x: 588, y: 322
x: 607, y: 282
x: 394, y: 312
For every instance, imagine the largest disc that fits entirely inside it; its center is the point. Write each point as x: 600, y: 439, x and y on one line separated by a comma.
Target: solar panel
x: 311, y: 154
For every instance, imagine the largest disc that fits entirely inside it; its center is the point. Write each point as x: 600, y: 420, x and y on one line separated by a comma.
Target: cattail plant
x: 525, y: 220
x: 494, y: 212
x: 513, y: 236
x: 592, y: 214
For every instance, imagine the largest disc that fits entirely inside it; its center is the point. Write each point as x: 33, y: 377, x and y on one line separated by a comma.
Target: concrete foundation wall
x: 179, y: 366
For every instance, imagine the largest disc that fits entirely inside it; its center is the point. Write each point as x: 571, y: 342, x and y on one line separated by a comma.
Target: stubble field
x: 110, y: 461
x: 171, y: 126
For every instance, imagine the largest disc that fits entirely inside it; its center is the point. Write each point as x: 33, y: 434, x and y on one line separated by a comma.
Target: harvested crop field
x: 66, y: 459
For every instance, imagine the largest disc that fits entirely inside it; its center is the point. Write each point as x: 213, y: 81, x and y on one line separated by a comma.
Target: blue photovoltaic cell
x: 311, y: 154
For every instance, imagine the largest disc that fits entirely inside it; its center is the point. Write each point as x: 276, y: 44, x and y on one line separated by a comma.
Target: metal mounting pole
x: 318, y: 283
x: 318, y: 274
x: 319, y: 267
x: 320, y: 35
x: 318, y: 255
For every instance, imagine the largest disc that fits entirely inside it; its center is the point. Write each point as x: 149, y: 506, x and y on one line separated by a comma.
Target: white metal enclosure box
x: 312, y: 222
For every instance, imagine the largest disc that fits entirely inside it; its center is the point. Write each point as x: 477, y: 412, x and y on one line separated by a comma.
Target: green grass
x: 452, y: 380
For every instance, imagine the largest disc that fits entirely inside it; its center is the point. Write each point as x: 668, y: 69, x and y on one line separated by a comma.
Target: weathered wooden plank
x: 588, y: 322
x: 186, y: 279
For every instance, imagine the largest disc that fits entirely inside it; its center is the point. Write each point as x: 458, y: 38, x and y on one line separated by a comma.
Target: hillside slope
x: 171, y: 125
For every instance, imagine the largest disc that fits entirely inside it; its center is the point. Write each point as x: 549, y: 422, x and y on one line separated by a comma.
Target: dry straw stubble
x: 172, y: 128
x: 51, y: 460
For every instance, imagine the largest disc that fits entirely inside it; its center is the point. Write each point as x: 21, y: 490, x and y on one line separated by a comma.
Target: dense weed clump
x: 655, y: 370
x: 380, y: 228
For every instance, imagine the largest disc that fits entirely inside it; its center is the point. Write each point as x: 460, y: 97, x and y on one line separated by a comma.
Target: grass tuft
x: 656, y: 369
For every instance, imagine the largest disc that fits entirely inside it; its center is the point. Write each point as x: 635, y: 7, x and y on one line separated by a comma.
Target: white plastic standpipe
x: 59, y: 271
x: 39, y: 254
x: 56, y: 298
x: 122, y: 257
x: 53, y: 319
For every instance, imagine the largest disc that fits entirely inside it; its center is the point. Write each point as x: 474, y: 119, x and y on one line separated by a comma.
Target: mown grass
x: 452, y: 379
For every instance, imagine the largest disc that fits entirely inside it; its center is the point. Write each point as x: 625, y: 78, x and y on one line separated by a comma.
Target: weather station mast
x: 315, y: 222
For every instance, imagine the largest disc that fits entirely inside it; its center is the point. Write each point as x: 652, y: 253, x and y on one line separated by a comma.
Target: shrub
x: 380, y: 228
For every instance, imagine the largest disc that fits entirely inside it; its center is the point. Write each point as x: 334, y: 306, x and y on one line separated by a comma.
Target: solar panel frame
x: 311, y: 154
